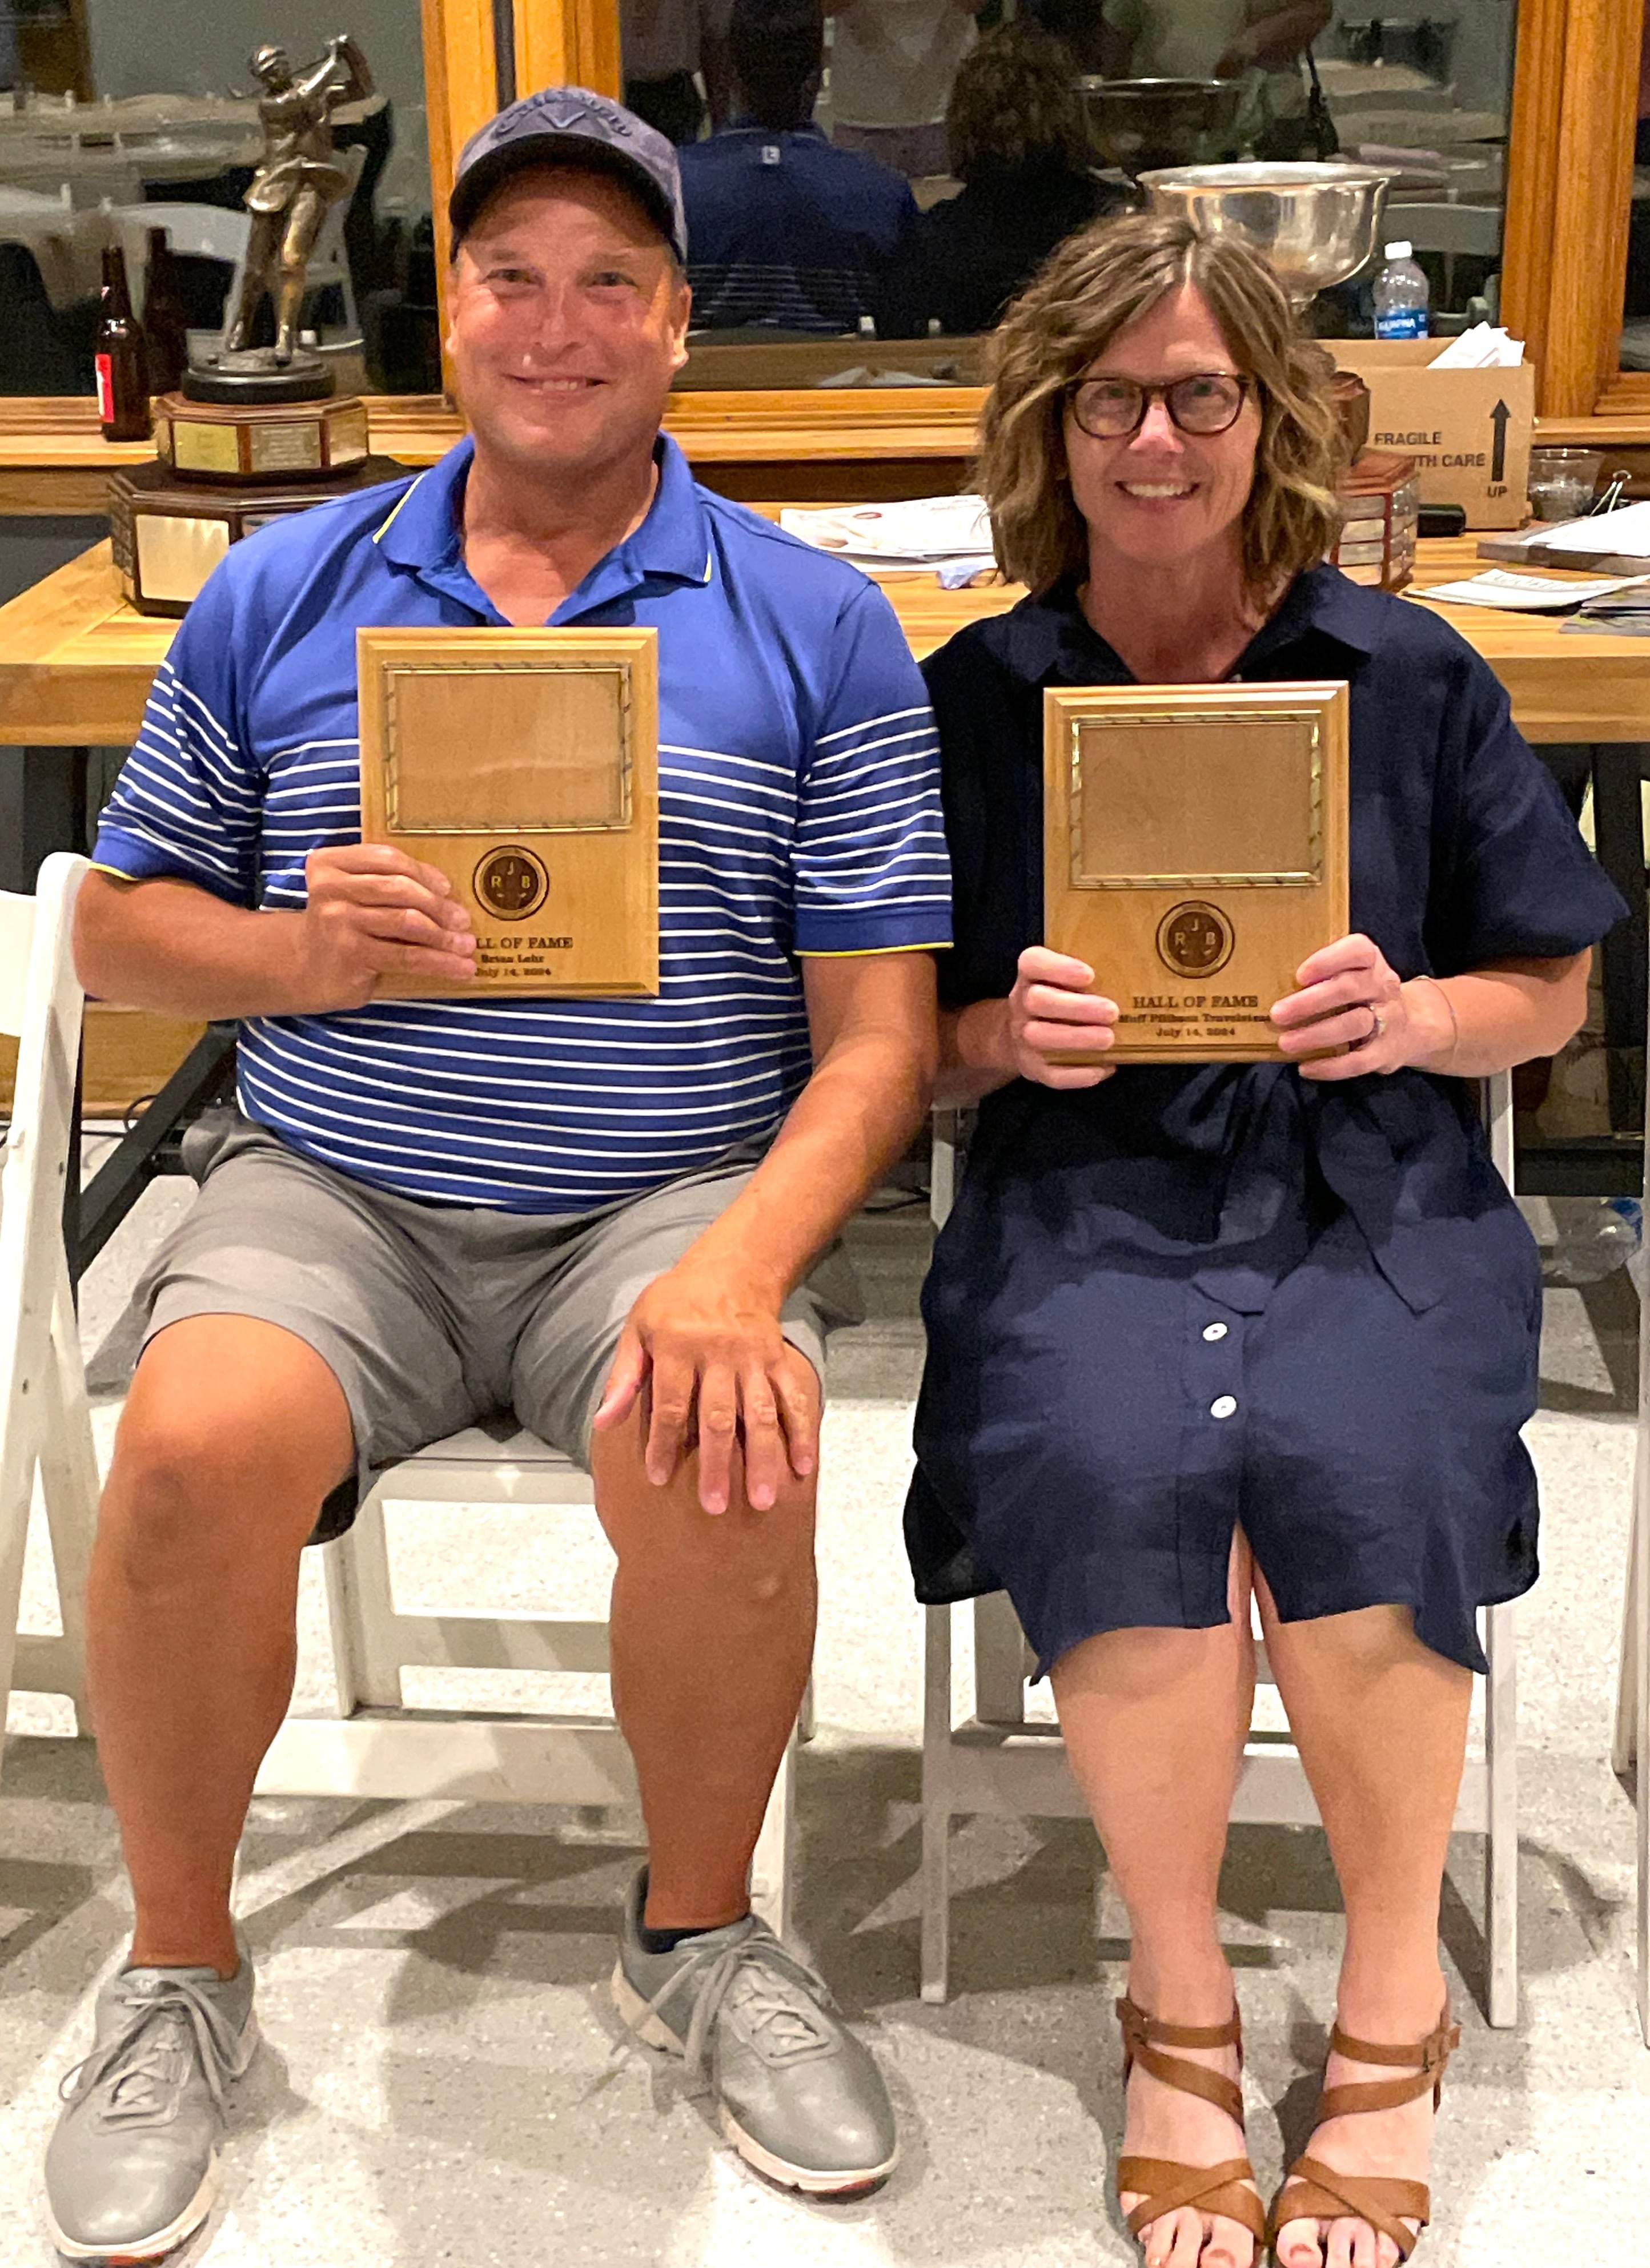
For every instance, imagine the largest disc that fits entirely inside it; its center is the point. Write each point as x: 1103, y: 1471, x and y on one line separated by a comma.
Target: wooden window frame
x: 1569, y: 189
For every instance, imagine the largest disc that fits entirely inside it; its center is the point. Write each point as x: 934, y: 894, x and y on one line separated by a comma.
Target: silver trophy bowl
x: 1315, y: 223
x: 1140, y: 122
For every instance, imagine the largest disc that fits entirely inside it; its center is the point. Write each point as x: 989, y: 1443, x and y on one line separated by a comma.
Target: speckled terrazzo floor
x: 439, y: 2085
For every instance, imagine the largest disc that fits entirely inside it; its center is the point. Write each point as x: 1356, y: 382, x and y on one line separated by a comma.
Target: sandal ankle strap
x: 1143, y: 2036
x: 1425, y: 2062
x: 1152, y: 2031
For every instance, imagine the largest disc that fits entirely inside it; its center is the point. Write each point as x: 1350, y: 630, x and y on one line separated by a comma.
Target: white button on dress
x: 1224, y: 1405
x: 1213, y: 1331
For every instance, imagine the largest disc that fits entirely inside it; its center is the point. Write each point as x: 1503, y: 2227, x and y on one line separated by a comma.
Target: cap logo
x: 562, y: 115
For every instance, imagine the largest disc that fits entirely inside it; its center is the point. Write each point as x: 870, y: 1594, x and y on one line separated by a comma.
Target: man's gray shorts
x: 435, y: 1317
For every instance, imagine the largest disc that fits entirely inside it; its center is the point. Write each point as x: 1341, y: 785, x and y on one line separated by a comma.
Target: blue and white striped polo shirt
x: 798, y: 813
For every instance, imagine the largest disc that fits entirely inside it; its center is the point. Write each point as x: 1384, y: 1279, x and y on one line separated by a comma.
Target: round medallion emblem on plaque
x: 1195, y: 940
x: 512, y: 882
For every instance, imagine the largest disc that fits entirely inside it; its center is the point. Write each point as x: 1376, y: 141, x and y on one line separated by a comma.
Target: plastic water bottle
x: 1401, y: 295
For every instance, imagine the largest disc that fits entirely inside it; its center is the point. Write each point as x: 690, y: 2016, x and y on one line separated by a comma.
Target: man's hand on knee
x: 718, y: 1374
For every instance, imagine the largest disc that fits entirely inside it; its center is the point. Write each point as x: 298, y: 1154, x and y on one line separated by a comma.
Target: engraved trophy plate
x: 291, y: 446
x: 523, y: 764
x: 202, y: 448
x: 1195, y: 854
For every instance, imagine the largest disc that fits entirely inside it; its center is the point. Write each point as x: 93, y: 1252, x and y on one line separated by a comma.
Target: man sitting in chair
x: 429, y: 1210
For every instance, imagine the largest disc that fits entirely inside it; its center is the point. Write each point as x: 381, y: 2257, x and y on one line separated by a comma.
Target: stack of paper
x: 1625, y: 532
x: 1531, y: 594
x: 950, y: 536
x: 1484, y: 347
x: 1624, y: 613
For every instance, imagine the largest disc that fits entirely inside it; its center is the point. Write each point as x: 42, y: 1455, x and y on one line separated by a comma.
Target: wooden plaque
x: 524, y: 764
x: 1195, y: 853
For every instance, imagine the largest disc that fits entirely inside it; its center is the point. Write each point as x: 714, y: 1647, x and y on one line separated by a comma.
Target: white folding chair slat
x: 17, y: 935
x: 997, y: 1762
x: 501, y: 1640
x: 45, y: 1424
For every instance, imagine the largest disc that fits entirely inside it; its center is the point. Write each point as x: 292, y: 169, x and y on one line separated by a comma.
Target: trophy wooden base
x: 253, y: 440
x: 523, y: 764
x: 168, y: 533
x: 1380, y: 518
x: 1195, y: 854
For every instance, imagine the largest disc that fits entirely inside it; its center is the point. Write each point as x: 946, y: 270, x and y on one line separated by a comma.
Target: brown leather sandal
x: 1385, y: 2201
x: 1163, y: 2184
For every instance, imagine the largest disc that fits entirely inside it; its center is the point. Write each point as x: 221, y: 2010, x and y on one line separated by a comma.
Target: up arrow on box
x: 1500, y: 417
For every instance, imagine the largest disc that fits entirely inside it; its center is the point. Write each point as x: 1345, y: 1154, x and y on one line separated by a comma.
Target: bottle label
x: 1401, y: 323
x: 105, y: 389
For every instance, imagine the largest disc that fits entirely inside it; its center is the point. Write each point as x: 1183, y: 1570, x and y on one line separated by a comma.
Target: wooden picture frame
x: 1194, y: 842
x: 523, y: 763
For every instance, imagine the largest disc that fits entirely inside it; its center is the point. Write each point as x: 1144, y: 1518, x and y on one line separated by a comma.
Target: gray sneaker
x: 131, y: 2166
x: 801, y: 2099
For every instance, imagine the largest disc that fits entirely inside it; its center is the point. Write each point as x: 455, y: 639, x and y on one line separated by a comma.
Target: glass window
x: 120, y: 116
x: 1635, y: 338
x: 1424, y: 88
x: 890, y: 172
x: 886, y: 173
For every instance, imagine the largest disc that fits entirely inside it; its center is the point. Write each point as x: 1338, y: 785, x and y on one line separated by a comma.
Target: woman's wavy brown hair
x: 1095, y: 285
x: 1014, y: 104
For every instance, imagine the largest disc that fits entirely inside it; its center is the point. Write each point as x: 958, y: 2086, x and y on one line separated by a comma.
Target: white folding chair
x: 330, y: 261
x: 200, y: 231
x: 998, y: 1761
x: 45, y: 1426
x: 376, y: 1746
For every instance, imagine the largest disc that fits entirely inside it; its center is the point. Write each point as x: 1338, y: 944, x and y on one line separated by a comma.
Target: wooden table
x: 76, y: 661
x: 75, y: 664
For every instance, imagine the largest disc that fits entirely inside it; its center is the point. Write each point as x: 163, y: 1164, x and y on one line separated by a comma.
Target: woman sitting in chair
x: 1195, y: 1334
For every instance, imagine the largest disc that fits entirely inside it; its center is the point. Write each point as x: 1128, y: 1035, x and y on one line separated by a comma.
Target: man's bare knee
x: 751, y: 1559
x: 232, y: 1435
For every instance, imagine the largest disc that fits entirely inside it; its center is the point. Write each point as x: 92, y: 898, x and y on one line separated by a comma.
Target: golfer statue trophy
x: 256, y: 431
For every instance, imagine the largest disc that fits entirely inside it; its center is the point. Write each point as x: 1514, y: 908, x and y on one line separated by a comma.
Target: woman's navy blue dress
x: 1193, y: 1298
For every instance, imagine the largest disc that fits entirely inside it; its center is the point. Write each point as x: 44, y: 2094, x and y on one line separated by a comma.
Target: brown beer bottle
x: 119, y: 357
x: 165, y: 318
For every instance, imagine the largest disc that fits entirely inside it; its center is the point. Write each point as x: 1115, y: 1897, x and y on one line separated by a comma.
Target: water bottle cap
x: 1400, y: 250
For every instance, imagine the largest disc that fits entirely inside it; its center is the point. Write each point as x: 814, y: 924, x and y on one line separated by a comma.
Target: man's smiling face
x: 569, y: 319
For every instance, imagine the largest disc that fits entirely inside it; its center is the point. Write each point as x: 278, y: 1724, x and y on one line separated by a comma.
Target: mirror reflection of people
x: 1203, y: 1334
x: 667, y: 47
x: 784, y: 229
x: 891, y: 65
x: 297, y: 180
x: 1261, y: 41
x: 614, y: 1218
x: 1015, y: 137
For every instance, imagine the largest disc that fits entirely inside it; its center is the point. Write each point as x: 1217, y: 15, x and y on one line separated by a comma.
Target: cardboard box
x: 1468, y: 431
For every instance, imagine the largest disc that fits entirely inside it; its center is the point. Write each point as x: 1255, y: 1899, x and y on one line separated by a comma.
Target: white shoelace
x: 777, y: 2006
x: 145, y: 2062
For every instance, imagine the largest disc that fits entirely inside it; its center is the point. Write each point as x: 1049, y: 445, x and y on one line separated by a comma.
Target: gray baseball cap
x: 570, y: 125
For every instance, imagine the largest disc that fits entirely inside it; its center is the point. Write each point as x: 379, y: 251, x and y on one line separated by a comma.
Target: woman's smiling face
x: 1158, y: 496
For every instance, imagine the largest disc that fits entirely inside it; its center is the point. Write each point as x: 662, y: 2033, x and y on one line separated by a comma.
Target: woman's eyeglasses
x: 1111, y: 409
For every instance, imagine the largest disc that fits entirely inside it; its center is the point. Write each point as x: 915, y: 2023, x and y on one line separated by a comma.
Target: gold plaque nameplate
x: 294, y: 447
x: 523, y: 764
x: 1195, y: 854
